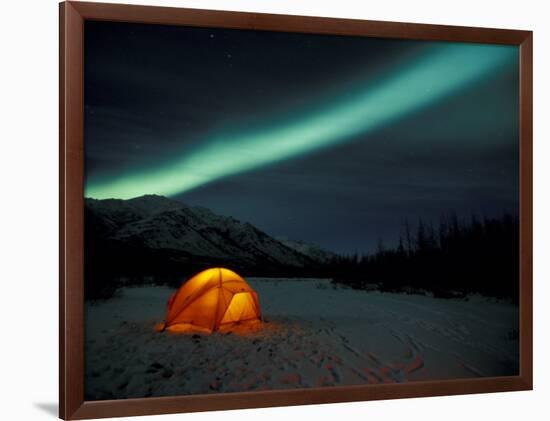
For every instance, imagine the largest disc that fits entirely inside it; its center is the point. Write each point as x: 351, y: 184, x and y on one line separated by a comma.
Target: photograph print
x: 272, y: 210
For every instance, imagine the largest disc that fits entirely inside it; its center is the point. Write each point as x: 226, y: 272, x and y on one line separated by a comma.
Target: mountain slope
x: 152, y: 231
x: 313, y: 251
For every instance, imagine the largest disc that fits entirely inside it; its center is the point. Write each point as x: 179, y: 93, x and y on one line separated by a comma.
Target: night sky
x: 325, y: 139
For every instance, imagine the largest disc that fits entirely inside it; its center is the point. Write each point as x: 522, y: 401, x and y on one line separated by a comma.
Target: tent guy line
x: 414, y: 85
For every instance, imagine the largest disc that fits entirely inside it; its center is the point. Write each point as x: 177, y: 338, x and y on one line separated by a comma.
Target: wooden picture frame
x: 71, y: 175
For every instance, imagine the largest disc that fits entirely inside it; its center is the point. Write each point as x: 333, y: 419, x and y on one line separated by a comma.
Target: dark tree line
x: 455, y: 258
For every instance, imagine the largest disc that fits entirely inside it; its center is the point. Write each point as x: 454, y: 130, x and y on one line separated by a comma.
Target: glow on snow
x: 430, y: 77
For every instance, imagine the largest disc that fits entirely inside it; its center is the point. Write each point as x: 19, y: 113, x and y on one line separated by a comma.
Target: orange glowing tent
x: 211, y: 300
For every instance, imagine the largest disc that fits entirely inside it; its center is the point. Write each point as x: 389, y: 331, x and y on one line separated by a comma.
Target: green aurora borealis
x: 420, y: 81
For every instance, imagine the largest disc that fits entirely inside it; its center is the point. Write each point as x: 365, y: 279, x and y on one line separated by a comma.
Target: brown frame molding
x: 71, y: 206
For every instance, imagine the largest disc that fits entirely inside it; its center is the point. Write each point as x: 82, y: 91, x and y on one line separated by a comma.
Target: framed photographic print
x: 264, y: 210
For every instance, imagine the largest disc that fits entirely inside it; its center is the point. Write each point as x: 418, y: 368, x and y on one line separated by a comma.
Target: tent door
x: 241, y: 307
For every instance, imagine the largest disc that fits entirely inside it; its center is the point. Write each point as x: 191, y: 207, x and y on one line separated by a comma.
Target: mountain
x: 313, y: 251
x: 157, y: 235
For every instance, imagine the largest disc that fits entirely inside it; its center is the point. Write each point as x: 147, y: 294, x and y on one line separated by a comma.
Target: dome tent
x: 211, y: 300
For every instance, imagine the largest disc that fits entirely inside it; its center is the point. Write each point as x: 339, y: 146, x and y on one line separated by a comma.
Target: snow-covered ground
x: 314, y: 335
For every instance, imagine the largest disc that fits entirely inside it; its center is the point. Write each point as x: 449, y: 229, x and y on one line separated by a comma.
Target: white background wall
x: 28, y: 207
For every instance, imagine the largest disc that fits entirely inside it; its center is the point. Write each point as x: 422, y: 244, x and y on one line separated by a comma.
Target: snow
x: 313, y: 251
x: 156, y: 222
x: 314, y: 335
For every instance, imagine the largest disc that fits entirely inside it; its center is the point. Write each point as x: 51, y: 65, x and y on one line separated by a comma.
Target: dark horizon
x: 158, y: 92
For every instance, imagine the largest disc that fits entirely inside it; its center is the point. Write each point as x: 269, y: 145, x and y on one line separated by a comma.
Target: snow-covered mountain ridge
x: 192, y: 233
